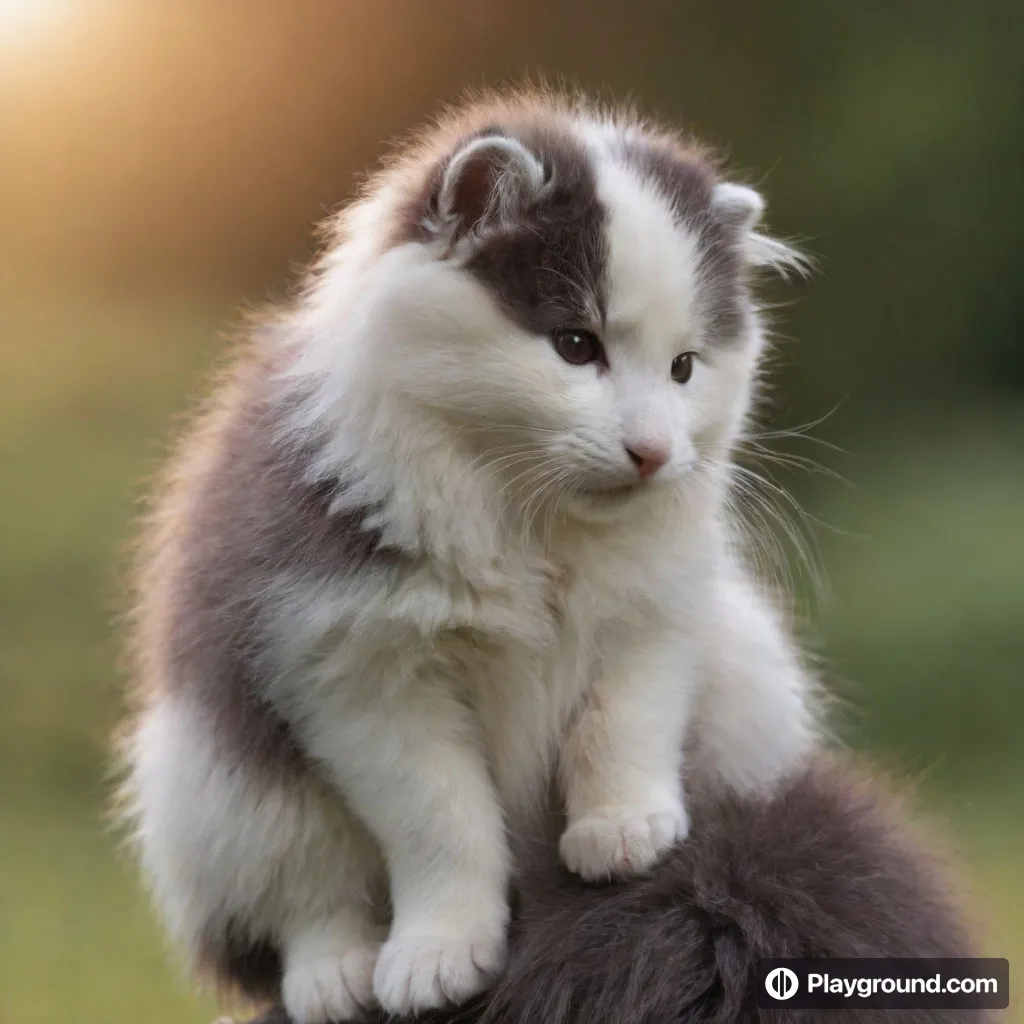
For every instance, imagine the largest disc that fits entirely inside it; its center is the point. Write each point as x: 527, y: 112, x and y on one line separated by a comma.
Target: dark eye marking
x: 682, y: 367
x: 578, y: 347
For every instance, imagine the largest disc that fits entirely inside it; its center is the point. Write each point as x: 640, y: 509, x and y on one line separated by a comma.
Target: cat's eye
x: 682, y: 367
x: 577, y: 346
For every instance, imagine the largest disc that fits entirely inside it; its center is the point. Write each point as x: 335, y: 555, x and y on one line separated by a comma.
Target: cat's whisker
x: 802, y: 431
x: 759, y: 506
x: 507, y: 491
x: 507, y: 452
x: 760, y: 453
x: 544, y: 484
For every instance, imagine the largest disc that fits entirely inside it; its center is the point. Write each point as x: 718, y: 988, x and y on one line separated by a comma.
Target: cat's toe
x: 423, y: 972
x: 668, y: 827
x: 331, y: 989
x: 621, y: 842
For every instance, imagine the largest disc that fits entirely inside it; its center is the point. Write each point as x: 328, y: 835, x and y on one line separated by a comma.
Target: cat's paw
x: 620, y: 841
x: 423, y: 972
x: 331, y: 989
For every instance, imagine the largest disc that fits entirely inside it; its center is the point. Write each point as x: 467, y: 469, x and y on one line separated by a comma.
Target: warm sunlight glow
x: 20, y: 19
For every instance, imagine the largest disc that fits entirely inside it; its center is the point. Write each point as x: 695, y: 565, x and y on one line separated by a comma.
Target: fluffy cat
x: 452, y: 523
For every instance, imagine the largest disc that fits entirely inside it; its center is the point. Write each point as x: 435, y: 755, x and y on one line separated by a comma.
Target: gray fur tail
x: 825, y: 868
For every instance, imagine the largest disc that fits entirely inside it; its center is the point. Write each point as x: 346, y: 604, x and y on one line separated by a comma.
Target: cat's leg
x: 244, y: 856
x: 756, y: 718
x: 409, y: 760
x: 620, y: 766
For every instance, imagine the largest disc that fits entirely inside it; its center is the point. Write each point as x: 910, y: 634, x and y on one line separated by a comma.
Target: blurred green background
x: 161, y: 167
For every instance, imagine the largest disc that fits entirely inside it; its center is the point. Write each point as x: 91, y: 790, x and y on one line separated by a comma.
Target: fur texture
x: 823, y: 868
x: 452, y: 524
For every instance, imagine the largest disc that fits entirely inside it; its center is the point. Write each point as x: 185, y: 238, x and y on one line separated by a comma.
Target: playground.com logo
x: 884, y: 984
x: 782, y: 983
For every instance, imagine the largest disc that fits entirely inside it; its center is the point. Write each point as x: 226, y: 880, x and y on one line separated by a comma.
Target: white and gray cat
x: 452, y: 524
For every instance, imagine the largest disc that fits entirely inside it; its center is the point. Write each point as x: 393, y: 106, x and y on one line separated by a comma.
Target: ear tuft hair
x: 741, y: 208
x: 486, y: 182
x: 737, y: 205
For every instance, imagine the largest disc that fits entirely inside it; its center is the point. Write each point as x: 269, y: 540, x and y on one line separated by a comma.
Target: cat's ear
x: 487, y: 181
x: 740, y: 208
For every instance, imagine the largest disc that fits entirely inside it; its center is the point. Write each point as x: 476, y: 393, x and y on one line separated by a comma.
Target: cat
x: 454, y: 522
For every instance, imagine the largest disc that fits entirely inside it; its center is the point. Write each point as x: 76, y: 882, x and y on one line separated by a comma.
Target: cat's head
x: 574, y: 291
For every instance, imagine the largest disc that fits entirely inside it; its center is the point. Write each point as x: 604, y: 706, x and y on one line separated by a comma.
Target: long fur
x: 826, y: 867
x: 417, y: 556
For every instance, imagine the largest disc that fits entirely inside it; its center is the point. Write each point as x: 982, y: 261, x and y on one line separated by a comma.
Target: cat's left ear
x: 740, y: 208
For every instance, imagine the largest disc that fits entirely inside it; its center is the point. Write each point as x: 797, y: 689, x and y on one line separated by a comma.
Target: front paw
x: 332, y: 988
x: 424, y: 972
x: 620, y: 842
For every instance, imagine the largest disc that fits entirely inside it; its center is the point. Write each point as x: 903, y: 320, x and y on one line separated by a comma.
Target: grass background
x: 920, y: 628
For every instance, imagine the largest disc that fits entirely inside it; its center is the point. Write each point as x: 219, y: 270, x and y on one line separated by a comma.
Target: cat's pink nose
x: 648, y: 457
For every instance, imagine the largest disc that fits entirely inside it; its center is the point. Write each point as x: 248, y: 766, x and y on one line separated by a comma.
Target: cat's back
x: 237, y: 527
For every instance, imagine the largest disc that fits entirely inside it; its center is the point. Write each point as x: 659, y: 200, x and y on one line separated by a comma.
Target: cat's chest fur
x: 525, y: 682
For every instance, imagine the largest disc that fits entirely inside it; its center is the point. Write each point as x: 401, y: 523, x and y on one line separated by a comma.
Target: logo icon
x: 782, y: 983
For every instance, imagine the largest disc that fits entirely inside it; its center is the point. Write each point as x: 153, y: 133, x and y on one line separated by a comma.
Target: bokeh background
x: 162, y: 165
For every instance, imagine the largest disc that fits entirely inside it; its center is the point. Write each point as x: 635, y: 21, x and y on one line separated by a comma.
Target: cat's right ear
x: 485, y: 183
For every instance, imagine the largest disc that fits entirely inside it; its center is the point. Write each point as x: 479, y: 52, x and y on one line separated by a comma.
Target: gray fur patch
x: 548, y: 270
x: 240, y: 964
x: 226, y: 530
x: 545, y: 270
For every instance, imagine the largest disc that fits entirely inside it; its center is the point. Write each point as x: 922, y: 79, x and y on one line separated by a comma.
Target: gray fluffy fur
x: 825, y: 868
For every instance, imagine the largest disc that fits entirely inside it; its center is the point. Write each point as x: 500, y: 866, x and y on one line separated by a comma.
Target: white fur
x: 542, y: 628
